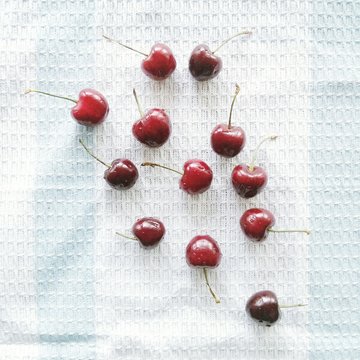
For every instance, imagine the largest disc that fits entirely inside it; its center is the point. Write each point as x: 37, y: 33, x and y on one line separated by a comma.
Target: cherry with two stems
x: 228, y: 140
x: 204, y: 64
x: 91, y: 108
x: 159, y: 64
x: 249, y: 180
x: 122, y: 174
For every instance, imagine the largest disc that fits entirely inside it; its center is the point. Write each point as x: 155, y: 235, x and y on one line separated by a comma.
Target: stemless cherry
x: 159, y: 64
x: 120, y: 175
x: 195, y: 179
x: 204, y: 252
x: 256, y: 223
x: 204, y: 64
x: 249, y: 180
x: 91, y: 109
x: 228, y: 140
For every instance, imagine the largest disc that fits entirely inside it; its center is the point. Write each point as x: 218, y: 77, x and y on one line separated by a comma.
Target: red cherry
x: 195, y: 179
x: 204, y: 252
x: 227, y: 140
x: 204, y: 64
x: 153, y: 128
x: 122, y: 174
x: 256, y: 224
x: 91, y: 109
x: 159, y: 64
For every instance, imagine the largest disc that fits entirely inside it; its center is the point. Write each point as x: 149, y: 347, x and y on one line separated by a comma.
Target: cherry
x: 227, y: 140
x: 204, y: 64
x: 91, y: 109
x: 148, y: 231
x: 249, y: 180
x: 120, y: 175
x: 204, y: 252
x: 159, y: 64
x: 264, y: 307
x: 153, y: 128
x: 195, y: 179
x: 257, y: 223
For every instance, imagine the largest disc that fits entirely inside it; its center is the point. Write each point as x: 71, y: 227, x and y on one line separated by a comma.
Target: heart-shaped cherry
x: 120, y: 175
x: 204, y: 252
x: 148, y: 231
x: 159, y: 64
x: 91, y: 109
x: 153, y: 128
x: 264, y: 307
x: 249, y: 180
x: 256, y: 223
x: 228, y: 140
x: 204, y: 64
x: 195, y: 179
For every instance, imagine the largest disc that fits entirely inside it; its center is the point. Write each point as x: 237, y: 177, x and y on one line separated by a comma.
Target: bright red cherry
x: 148, y: 231
x: 204, y: 64
x: 257, y: 223
x: 91, y: 109
x: 195, y: 179
x: 153, y: 128
x: 249, y: 180
x: 228, y: 140
x: 204, y: 252
x: 159, y: 64
x: 122, y: 174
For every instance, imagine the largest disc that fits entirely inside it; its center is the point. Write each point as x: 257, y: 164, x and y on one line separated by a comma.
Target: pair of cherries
x: 160, y: 63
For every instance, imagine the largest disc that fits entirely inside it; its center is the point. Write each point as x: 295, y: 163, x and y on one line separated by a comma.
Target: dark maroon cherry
x: 159, y: 64
x: 256, y: 223
x: 195, y: 179
x: 153, y: 128
x: 120, y: 175
x: 228, y: 140
x: 204, y: 252
x: 204, y: 64
x: 249, y: 180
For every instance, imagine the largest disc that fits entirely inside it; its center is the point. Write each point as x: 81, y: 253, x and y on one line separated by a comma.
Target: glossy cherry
x: 249, y: 180
x: 256, y: 223
x: 91, y: 109
x: 148, y: 231
x: 122, y: 174
x: 204, y: 252
x: 159, y: 64
x: 204, y: 64
x: 195, y: 179
x: 153, y: 128
x: 228, y: 140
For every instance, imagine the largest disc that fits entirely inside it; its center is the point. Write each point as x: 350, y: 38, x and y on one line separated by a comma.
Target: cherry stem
x: 138, y: 103
x: 230, y: 38
x: 161, y: 166
x: 48, y: 94
x: 91, y: 154
x: 256, y: 151
x: 217, y: 300
x: 291, y: 306
x: 307, y: 232
x: 125, y: 46
x: 237, y: 90
x: 126, y: 237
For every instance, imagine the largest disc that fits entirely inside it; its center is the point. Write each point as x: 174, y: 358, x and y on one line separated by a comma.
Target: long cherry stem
x: 126, y: 237
x: 91, y: 154
x: 230, y: 38
x: 125, y: 46
x: 256, y: 151
x: 161, y: 166
x: 217, y: 300
x: 48, y: 94
x: 307, y: 232
x: 138, y: 103
x: 291, y: 306
x: 237, y: 90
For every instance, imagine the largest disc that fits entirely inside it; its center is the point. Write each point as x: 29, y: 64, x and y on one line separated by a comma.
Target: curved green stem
x: 91, y: 154
x: 48, y: 94
x: 217, y: 300
x: 290, y: 231
x: 161, y: 166
x: 256, y: 151
x: 230, y: 38
x: 125, y: 46
x: 126, y: 237
x: 237, y: 90
x: 138, y: 103
x: 291, y: 306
